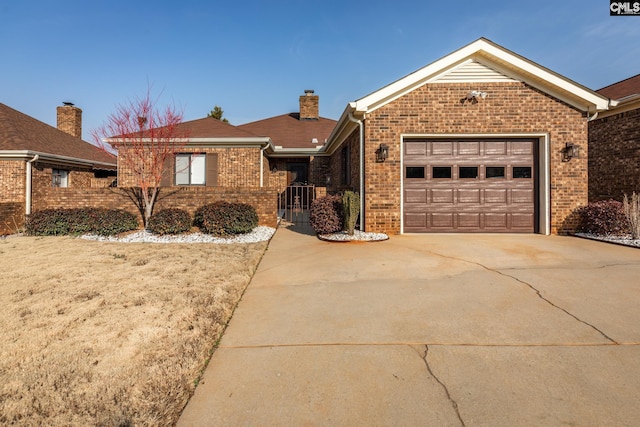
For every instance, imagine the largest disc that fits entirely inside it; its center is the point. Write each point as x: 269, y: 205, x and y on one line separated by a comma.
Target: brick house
x: 614, y: 143
x: 36, y: 158
x: 481, y: 140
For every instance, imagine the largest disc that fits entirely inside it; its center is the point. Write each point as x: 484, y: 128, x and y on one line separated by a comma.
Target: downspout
x: 262, y: 165
x: 360, y: 124
x: 28, y: 186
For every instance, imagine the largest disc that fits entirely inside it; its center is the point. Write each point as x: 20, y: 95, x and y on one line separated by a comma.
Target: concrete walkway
x: 431, y: 330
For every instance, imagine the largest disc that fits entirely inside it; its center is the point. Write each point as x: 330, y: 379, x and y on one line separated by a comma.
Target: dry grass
x: 111, y: 334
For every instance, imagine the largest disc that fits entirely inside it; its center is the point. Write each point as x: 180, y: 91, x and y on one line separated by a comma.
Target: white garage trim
x: 544, y: 170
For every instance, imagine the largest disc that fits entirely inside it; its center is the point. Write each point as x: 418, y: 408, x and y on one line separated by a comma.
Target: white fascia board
x: 343, y: 127
x: 27, y: 155
x: 528, y: 67
x: 297, y: 152
x: 482, y: 48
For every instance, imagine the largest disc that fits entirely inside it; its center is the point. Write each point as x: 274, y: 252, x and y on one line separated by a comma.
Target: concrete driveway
x: 431, y: 330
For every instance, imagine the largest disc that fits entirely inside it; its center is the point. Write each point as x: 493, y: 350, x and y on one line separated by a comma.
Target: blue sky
x: 255, y: 58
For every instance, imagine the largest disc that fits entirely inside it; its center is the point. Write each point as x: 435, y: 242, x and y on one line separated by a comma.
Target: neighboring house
x: 482, y: 140
x: 614, y: 143
x: 35, y: 157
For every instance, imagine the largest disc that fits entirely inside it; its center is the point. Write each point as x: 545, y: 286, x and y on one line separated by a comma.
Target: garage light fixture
x: 382, y: 153
x: 570, y: 151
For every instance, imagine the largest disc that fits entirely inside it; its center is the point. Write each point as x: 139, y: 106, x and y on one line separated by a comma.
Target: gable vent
x: 471, y: 72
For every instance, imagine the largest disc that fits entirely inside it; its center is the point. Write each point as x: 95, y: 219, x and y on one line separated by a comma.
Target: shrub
x: 325, y: 215
x: 169, y: 221
x: 603, y: 218
x: 632, y: 212
x: 351, y: 207
x: 56, y: 222
x: 224, y: 218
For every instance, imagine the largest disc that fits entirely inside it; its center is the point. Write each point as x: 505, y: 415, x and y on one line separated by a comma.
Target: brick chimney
x: 309, y: 109
x: 70, y: 119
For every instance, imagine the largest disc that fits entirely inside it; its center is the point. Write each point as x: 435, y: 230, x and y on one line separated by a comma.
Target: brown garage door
x: 480, y: 185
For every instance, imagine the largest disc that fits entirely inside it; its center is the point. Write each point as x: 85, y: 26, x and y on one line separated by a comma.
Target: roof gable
x: 288, y: 131
x: 481, y: 61
x: 20, y: 132
x: 472, y: 71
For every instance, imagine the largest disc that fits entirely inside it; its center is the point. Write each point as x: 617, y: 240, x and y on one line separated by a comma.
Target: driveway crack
x: 534, y: 289
x: 454, y: 404
x: 552, y: 304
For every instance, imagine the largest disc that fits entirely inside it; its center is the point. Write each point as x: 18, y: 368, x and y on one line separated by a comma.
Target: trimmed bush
x: 326, y: 214
x: 56, y: 222
x: 632, y: 212
x: 169, y: 221
x: 224, y: 218
x: 603, y: 218
x: 351, y: 207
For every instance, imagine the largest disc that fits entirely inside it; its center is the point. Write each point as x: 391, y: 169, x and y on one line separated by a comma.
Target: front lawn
x: 111, y: 334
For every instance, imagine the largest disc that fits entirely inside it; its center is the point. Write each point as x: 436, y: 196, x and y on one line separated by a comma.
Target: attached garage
x: 469, y: 185
x: 480, y: 141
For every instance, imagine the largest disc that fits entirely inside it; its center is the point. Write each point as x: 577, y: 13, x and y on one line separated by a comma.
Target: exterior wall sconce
x: 570, y: 151
x: 382, y: 153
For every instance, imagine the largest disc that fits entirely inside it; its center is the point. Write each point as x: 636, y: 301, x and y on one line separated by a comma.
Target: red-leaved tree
x: 146, y: 138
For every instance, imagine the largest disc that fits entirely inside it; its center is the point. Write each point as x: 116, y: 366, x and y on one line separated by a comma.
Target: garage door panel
x: 418, y: 196
x: 465, y: 200
x: 442, y: 196
x: 416, y: 148
x: 469, y: 195
x: 441, y: 148
x: 522, y: 196
x: 442, y: 220
x: 495, y: 196
x: 416, y: 220
x: 497, y: 221
x: 469, y: 148
x: 522, y: 221
x: 469, y: 221
x: 495, y: 148
x: 522, y: 148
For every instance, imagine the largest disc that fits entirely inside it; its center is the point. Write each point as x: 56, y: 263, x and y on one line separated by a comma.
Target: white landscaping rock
x: 259, y: 234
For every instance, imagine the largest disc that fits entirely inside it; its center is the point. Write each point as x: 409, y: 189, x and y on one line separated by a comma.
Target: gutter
x: 360, y: 124
x: 25, y: 154
x: 27, y: 195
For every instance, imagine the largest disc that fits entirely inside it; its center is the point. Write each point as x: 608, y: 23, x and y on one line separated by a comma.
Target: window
x: 345, y: 166
x: 190, y: 169
x: 440, y: 172
x: 60, y: 178
x: 522, y: 172
x: 494, y: 172
x: 415, y: 172
x: 468, y: 172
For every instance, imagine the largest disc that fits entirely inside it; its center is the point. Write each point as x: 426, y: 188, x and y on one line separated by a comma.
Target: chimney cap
x: 68, y: 103
x: 309, y: 91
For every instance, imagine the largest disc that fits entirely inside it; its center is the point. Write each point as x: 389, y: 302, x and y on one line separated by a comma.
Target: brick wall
x: 264, y: 200
x: 11, y: 217
x: 12, y: 180
x: 508, y: 108
x: 614, y: 156
x: 12, y: 195
x: 237, y: 167
x: 336, y: 164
